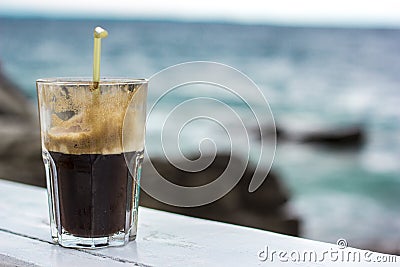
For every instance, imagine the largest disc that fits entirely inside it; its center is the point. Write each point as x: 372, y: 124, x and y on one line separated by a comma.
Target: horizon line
x: 233, y: 21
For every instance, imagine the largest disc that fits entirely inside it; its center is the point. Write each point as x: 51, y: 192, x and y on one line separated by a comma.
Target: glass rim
x: 89, y: 81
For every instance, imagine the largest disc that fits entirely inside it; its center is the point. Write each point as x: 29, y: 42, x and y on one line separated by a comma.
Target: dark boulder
x: 350, y: 137
x: 264, y: 209
x: 347, y: 137
x: 20, y: 152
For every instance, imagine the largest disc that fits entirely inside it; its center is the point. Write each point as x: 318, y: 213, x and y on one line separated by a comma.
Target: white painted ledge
x: 164, y: 239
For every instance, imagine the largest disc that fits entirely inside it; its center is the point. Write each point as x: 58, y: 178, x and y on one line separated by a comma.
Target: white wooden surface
x: 164, y: 239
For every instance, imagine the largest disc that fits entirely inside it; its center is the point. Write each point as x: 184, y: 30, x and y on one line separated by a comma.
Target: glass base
x: 132, y: 237
x: 128, y: 228
x: 70, y: 241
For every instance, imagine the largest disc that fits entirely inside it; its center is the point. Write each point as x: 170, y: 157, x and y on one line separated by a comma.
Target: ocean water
x: 312, y: 78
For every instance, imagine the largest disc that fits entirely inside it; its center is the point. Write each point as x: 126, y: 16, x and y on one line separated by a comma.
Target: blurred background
x: 329, y: 70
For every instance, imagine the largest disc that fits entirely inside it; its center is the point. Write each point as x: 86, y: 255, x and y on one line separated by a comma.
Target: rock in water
x: 20, y: 156
x: 350, y: 137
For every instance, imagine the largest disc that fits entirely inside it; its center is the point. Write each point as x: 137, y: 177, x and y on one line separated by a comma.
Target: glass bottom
x: 65, y: 207
x: 132, y: 237
x: 70, y: 241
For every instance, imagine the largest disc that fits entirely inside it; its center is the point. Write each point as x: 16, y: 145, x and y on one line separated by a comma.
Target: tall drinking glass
x: 92, y: 138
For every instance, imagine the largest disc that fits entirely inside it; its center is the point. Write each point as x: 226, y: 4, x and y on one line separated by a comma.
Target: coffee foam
x: 90, y: 122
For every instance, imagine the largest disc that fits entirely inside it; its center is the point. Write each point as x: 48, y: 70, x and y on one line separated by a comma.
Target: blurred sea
x: 312, y: 77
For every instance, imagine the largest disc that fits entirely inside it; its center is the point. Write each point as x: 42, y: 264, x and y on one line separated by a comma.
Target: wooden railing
x: 164, y: 239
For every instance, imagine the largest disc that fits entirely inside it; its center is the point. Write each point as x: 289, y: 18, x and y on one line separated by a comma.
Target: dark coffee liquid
x: 93, y: 192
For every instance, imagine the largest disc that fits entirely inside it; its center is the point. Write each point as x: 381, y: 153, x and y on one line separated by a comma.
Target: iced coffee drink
x: 92, y: 143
